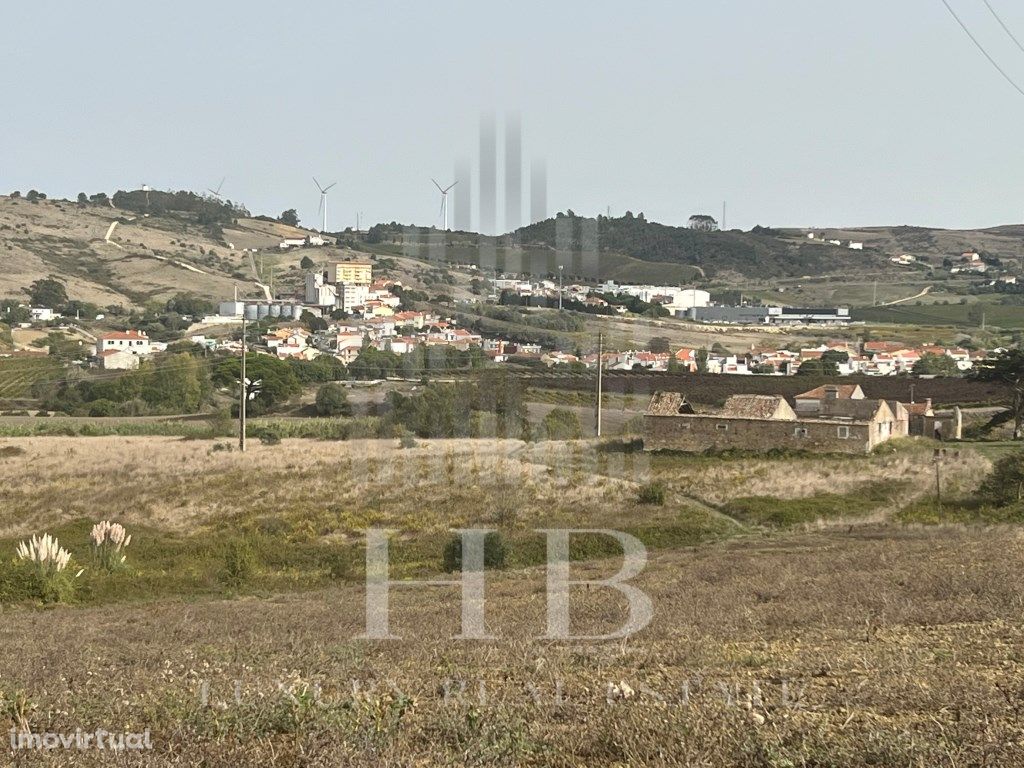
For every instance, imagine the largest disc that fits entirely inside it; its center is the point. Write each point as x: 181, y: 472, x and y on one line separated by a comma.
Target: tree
x: 313, y: 322
x: 332, y: 400
x: 1005, y: 484
x: 83, y: 198
x: 278, y: 377
x: 289, y: 217
x: 659, y: 344
x: 307, y: 263
x: 1007, y: 367
x: 820, y: 367
x: 174, y: 383
x: 931, y: 364
x: 835, y: 356
x: 189, y: 304
x: 47, y: 292
x: 701, y: 358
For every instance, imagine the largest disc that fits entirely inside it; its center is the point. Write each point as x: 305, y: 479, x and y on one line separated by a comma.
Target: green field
x: 966, y: 315
x: 18, y: 374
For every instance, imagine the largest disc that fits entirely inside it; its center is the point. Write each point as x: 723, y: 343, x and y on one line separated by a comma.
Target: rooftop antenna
x: 216, y: 192
x: 323, y: 202
x: 444, y: 203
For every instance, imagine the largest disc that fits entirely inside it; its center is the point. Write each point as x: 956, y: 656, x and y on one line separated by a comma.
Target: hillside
x: 113, y: 256
x: 154, y: 245
x: 769, y: 253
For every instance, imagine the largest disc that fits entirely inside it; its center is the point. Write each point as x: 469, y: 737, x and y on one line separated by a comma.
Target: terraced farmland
x: 18, y: 374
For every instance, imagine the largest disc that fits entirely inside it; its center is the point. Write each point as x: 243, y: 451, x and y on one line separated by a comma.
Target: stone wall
x: 701, y: 433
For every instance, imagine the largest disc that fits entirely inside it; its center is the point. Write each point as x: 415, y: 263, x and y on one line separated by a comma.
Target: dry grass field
x: 829, y: 636
x: 825, y: 650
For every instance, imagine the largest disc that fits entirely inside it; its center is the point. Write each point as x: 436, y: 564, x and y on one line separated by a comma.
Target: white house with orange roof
x: 134, y: 342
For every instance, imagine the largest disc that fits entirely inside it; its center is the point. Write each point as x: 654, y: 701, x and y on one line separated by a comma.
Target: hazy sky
x: 798, y: 112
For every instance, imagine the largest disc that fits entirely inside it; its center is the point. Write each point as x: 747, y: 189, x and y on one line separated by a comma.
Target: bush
x: 494, y: 552
x: 406, y: 440
x: 101, y: 408
x: 46, y: 569
x: 17, y: 583
x: 268, y: 435
x: 652, y: 493
x: 332, y: 400
x: 240, y: 563
x: 1005, y: 484
x: 562, y: 424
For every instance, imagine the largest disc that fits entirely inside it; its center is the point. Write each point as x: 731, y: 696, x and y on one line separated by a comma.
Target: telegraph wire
x: 981, y: 48
x: 1004, y: 25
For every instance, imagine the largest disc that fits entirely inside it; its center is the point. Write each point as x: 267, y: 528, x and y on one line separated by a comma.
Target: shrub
x: 1005, y: 484
x: 494, y: 552
x: 562, y: 424
x: 109, y: 540
x: 47, y: 562
x: 268, y: 435
x: 652, y: 493
x: 240, y: 563
x: 332, y: 400
x: 406, y: 440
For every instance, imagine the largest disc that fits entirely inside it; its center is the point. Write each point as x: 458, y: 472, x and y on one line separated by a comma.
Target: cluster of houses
x: 853, y: 245
x: 400, y: 333
x: 828, y: 419
x: 675, y: 299
x: 872, y: 358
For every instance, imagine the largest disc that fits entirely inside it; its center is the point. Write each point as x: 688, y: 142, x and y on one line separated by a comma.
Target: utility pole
x: 561, y: 268
x: 938, y: 479
x: 874, y: 295
x: 600, y: 374
x: 244, y: 394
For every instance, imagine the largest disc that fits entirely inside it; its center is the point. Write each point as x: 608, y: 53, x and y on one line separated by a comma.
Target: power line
x: 981, y: 48
x: 1003, y: 25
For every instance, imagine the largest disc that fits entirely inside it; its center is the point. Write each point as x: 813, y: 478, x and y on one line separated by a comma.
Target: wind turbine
x: 216, y: 192
x: 323, y: 202
x: 444, y: 202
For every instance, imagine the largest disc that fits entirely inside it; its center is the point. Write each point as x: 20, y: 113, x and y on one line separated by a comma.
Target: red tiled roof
x: 125, y: 335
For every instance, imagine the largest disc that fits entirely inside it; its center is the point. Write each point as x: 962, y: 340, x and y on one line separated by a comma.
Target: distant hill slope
x: 157, y: 244
x: 771, y: 253
x: 760, y: 253
x: 113, y: 256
